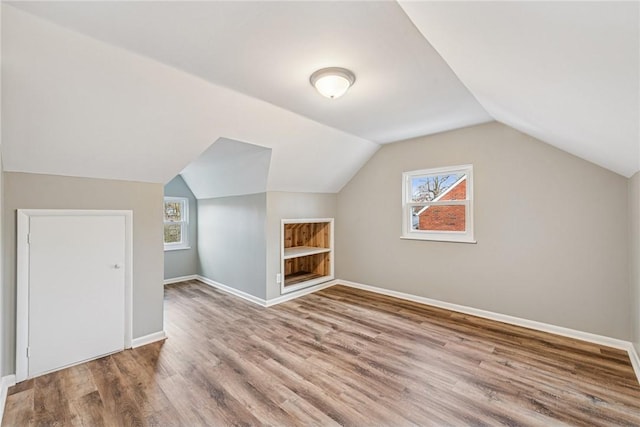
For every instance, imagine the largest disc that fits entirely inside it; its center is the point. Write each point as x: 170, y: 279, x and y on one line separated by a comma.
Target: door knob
x: 116, y: 266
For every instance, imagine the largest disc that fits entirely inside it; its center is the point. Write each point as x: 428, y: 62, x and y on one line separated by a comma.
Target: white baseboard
x: 148, y: 339
x: 265, y: 303
x: 232, y: 291
x: 298, y: 294
x: 5, y: 383
x: 635, y: 360
x: 512, y: 320
x: 180, y: 279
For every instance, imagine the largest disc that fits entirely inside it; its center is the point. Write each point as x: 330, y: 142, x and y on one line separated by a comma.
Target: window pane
x: 438, y: 218
x: 173, y: 211
x: 429, y: 188
x: 172, y: 233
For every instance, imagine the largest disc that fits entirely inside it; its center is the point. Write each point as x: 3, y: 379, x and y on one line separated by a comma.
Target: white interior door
x: 76, y: 289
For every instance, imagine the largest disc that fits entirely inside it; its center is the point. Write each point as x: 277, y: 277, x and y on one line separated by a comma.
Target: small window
x: 437, y: 204
x: 176, y: 223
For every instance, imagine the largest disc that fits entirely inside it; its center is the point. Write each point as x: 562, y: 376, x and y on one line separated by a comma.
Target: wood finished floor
x: 337, y: 357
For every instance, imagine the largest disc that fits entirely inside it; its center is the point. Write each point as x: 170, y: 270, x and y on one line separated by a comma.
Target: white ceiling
x: 78, y: 107
x: 268, y: 50
x: 564, y: 72
x: 228, y: 168
x: 137, y: 90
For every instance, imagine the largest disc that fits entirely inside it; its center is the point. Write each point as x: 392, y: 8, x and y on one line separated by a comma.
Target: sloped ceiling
x: 74, y: 106
x: 564, y: 72
x: 268, y: 50
x: 137, y: 90
x: 228, y: 168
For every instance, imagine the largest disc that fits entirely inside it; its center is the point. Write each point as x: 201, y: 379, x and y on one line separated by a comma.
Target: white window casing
x: 182, y: 223
x: 417, y: 202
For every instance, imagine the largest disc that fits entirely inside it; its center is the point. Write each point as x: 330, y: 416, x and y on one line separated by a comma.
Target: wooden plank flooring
x: 337, y: 357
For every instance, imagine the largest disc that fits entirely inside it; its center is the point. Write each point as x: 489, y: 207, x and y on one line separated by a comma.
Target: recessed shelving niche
x: 307, y: 253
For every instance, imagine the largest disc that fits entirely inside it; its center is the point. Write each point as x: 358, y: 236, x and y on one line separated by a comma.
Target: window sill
x: 427, y: 239
x: 177, y: 248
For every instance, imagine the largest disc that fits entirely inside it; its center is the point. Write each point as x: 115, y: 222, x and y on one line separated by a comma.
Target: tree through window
x: 438, y: 204
x: 176, y: 222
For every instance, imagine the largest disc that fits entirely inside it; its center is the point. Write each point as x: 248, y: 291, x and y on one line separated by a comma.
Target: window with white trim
x: 437, y: 204
x: 176, y: 223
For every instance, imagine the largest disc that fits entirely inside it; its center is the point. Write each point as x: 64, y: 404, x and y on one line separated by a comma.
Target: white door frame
x: 22, y: 276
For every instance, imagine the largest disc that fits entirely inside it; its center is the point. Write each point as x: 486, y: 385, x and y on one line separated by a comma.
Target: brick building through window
x: 446, y: 218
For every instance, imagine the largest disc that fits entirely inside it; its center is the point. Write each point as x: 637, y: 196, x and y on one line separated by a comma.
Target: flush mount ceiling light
x: 332, y: 82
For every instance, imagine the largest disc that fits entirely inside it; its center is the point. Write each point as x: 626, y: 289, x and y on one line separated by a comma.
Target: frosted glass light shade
x: 332, y: 82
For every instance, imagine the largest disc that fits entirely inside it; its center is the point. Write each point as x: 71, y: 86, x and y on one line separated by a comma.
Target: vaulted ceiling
x: 137, y: 90
x: 565, y: 72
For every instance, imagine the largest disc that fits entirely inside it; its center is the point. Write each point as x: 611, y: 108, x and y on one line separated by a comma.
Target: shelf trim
x: 300, y: 251
x: 302, y: 285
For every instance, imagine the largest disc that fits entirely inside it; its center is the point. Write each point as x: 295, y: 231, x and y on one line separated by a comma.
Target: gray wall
x: 32, y: 191
x: 183, y: 262
x: 281, y: 205
x: 232, y: 241
x: 634, y: 256
x: 4, y: 334
x: 551, y: 231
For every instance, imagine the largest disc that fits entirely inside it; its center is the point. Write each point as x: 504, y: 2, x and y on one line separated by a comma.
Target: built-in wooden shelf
x: 307, y: 253
x: 301, y: 277
x: 299, y: 251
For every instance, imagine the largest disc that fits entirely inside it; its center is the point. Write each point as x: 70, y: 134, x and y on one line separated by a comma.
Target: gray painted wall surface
x: 183, y: 262
x: 4, y: 334
x: 284, y: 205
x: 32, y: 191
x: 634, y: 256
x: 551, y: 231
x: 232, y: 241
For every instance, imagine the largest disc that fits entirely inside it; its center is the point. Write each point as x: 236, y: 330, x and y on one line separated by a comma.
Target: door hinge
x: 28, y: 351
x: 29, y: 238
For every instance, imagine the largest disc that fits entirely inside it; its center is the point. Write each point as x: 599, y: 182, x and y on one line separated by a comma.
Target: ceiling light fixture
x: 332, y: 82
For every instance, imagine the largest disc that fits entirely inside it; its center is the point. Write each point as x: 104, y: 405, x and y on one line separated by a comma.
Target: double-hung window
x: 437, y: 204
x: 176, y: 223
